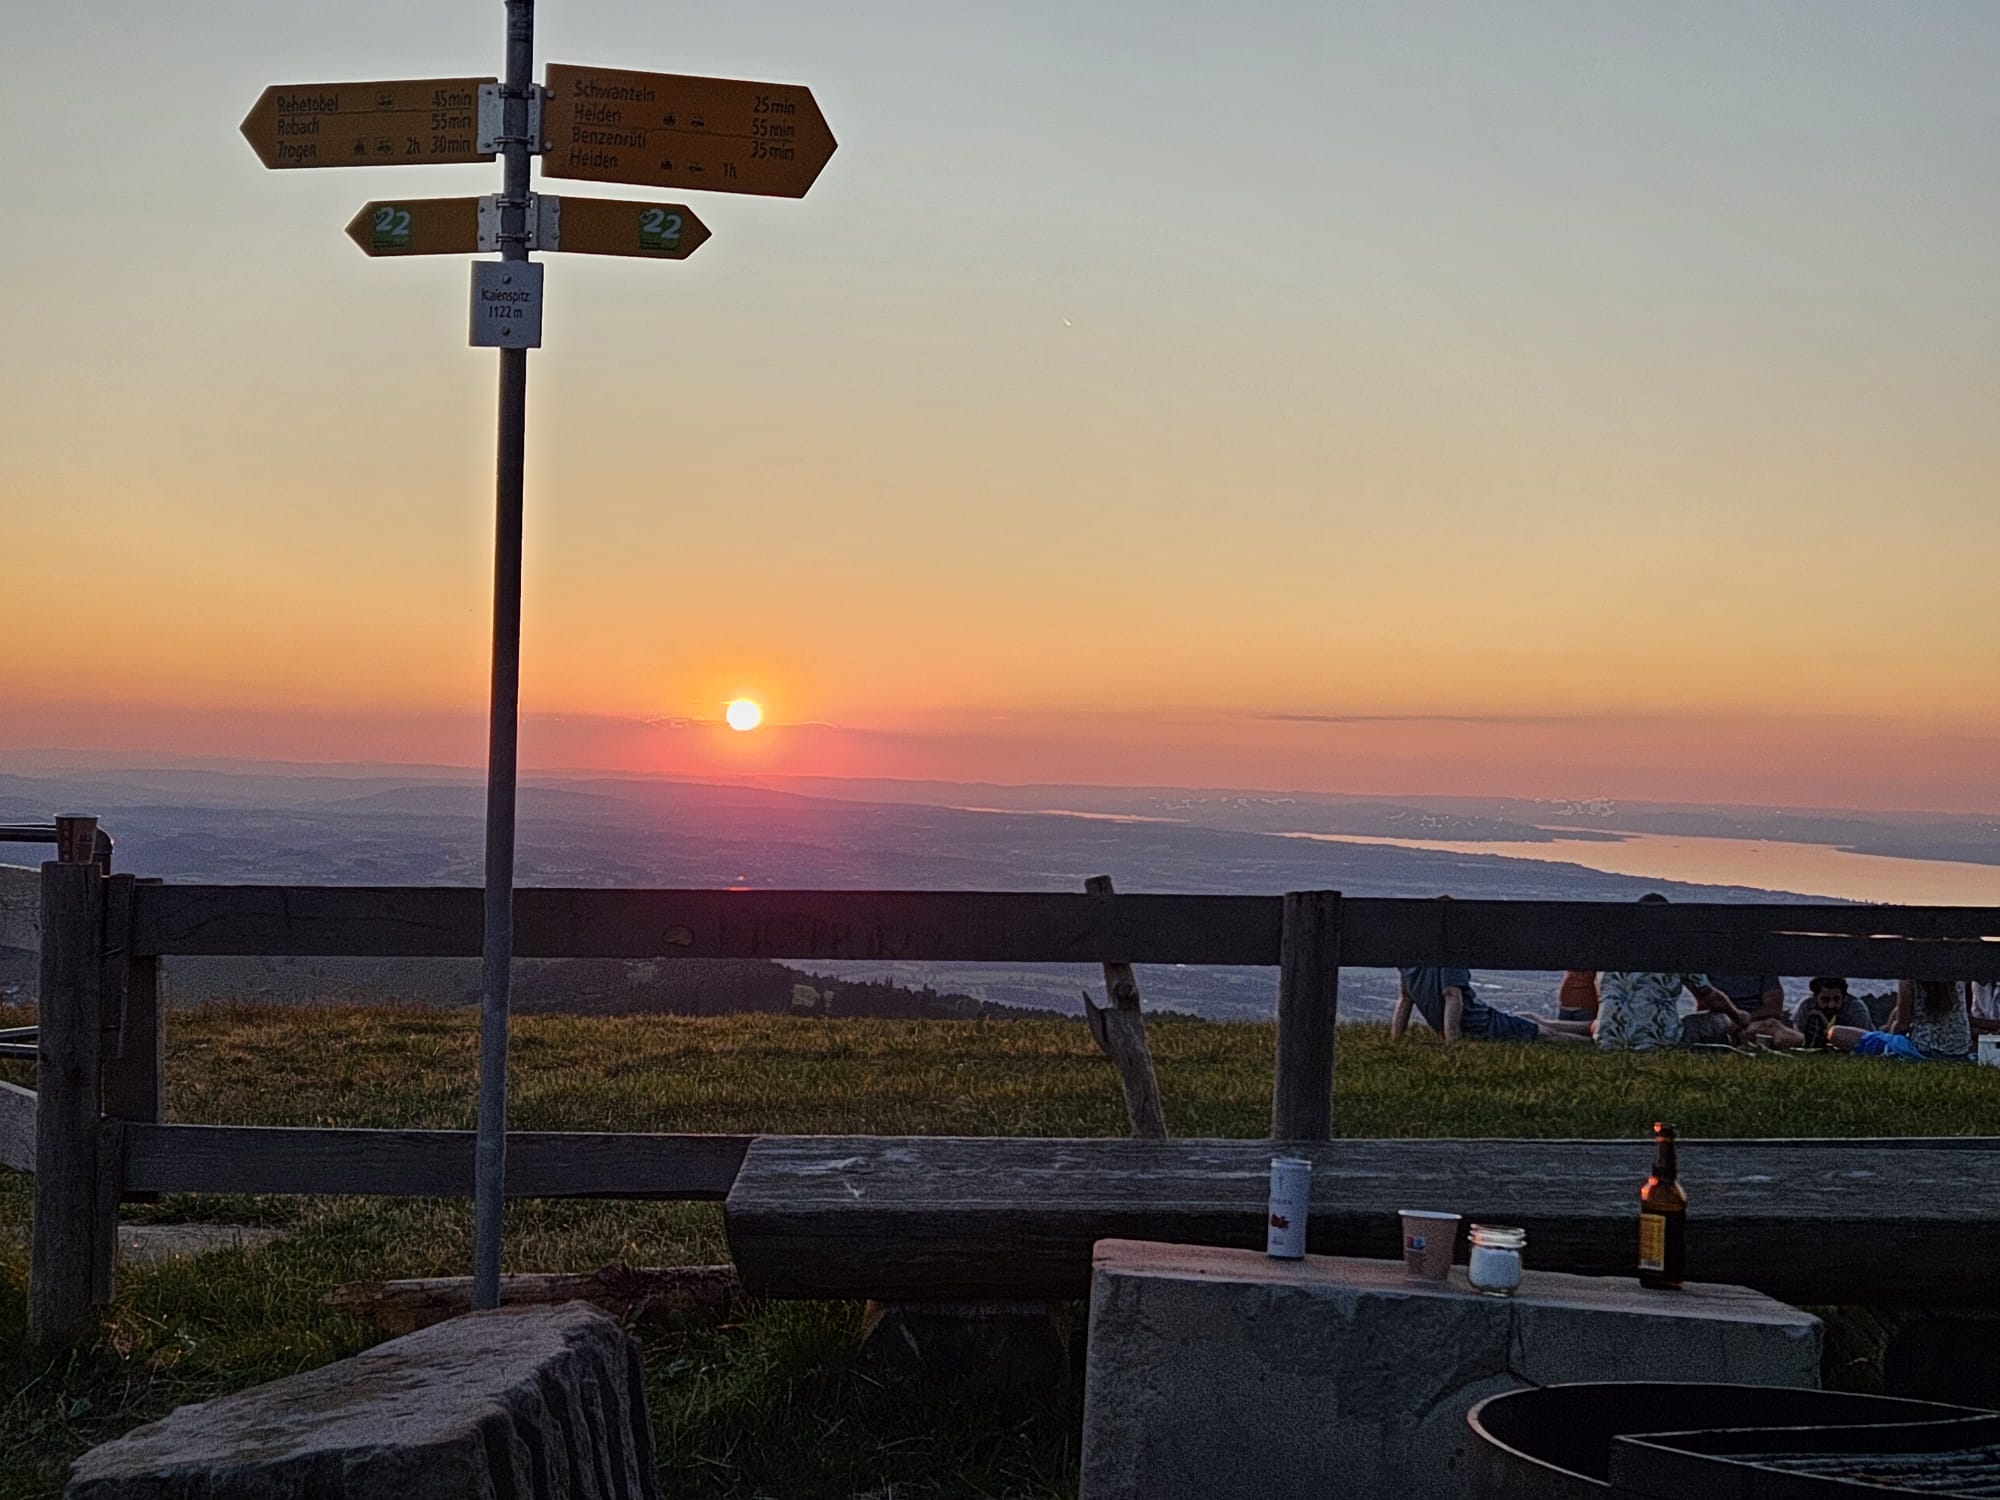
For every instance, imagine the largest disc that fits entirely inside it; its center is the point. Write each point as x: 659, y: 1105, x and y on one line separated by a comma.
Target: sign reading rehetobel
x: 401, y: 122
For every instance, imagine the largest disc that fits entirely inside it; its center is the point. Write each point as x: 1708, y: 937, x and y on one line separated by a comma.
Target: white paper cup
x: 1429, y: 1239
x: 76, y: 839
x: 1291, y: 1197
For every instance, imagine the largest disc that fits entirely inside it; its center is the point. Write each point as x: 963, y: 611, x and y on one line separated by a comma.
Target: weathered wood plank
x: 915, y: 1219
x: 20, y: 908
x: 1120, y: 1031
x: 1040, y: 927
x: 964, y: 925
x: 424, y: 1163
x: 110, y: 1187
x: 1768, y: 938
x: 17, y: 1127
x: 1308, y: 1001
x: 134, y: 1080
x: 69, y: 1242
x: 116, y: 952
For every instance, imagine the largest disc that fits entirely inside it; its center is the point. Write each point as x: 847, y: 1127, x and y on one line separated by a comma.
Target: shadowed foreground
x: 769, y: 1403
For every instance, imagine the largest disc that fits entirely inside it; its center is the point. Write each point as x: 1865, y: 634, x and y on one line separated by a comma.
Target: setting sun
x: 743, y: 714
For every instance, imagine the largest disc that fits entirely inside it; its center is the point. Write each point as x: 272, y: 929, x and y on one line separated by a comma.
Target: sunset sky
x: 1556, y: 398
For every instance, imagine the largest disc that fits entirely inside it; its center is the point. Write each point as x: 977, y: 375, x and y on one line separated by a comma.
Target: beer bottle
x: 1663, y: 1217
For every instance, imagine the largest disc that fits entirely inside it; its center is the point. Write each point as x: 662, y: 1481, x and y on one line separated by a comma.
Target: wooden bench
x: 918, y: 1218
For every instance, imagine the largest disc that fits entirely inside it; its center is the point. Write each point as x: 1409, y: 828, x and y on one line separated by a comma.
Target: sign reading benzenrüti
x: 668, y: 130
x: 398, y: 122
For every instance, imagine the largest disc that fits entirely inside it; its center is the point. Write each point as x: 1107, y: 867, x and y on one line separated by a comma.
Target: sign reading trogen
x: 717, y: 135
x: 402, y: 121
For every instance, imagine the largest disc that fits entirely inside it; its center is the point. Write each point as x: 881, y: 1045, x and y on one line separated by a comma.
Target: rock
x: 631, y: 1294
x: 540, y: 1402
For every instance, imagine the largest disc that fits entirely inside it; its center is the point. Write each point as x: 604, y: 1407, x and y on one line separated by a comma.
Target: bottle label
x: 1652, y: 1242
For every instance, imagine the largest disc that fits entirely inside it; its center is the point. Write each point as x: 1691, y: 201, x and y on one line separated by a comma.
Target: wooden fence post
x: 1120, y: 1031
x: 136, y: 1035
x: 1308, y: 1002
x: 73, y: 1240
x: 133, y: 1072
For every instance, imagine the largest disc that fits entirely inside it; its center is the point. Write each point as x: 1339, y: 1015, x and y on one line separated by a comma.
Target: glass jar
x: 1495, y: 1266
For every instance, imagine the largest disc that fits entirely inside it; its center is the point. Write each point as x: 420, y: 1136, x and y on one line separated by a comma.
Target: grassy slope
x: 769, y: 1405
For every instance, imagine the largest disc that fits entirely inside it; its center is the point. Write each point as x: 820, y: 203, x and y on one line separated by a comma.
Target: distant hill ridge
x: 580, y: 986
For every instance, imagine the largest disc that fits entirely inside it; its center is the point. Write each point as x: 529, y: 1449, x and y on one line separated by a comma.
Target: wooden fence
x: 94, y: 1132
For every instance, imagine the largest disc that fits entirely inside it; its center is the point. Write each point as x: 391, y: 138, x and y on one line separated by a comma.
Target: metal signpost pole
x: 725, y: 135
x: 490, y: 1165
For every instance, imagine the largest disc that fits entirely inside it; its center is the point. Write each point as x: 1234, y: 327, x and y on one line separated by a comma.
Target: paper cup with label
x: 1291, y: 1196
x: 76, y: 839
x: 1429, y: 1238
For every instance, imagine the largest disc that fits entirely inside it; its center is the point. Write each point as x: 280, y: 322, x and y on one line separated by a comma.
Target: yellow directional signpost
x: 400, y: 122
x: 616, y: 226
x: 600, y: 124
x: 716, y: 135
x: 417, y: 226
x: 575, y: 226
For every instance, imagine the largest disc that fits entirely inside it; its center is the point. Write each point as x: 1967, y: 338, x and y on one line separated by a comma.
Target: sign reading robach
x: 391, y: 123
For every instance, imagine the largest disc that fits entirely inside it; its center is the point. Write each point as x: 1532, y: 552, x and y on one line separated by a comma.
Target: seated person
x: 1642, y: 1012
x: 1931, y: 1023
x: 1577, y: 999
x: 1829, y: 1005
x: 1450, y: 1006
x: 1761, y: 997
x: 1986, y: 1007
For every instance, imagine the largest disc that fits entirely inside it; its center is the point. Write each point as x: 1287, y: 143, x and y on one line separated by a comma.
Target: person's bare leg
x: 1562, y: 1031
x: 1774, y: 1033
x: 1844, y: 1038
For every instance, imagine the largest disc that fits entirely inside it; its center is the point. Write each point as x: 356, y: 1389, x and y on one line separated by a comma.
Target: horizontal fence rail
x: 95, y: 1134
x: 1875, y: 942
x: 425, y: 1163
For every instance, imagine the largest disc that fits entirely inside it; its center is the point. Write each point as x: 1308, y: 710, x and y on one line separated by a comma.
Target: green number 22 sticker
x: 659, y: 230
x: 392, y: 227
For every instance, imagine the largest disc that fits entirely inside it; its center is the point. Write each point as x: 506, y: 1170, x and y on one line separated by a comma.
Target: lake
x: 1809, y: 869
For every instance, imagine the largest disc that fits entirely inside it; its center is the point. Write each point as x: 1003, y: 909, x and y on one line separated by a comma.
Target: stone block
x: 545, y: 1402
x: 1225, y: 1373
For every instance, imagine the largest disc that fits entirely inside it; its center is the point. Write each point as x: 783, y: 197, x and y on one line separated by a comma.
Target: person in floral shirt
x: 1642, y: 1012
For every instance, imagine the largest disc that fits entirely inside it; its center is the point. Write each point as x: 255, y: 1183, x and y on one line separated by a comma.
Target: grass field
x: 770, y: 1404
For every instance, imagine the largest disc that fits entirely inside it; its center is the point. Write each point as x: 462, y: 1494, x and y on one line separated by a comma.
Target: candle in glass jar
x: 1495, y: 1266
